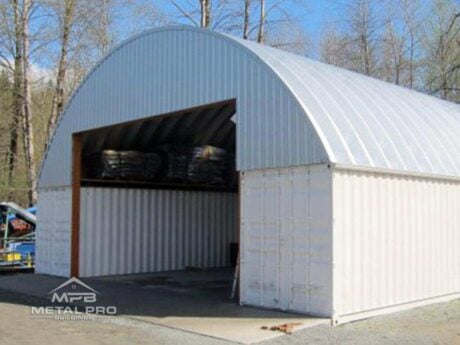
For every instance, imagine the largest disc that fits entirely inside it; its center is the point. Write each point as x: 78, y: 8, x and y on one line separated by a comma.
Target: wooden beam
x: 76, y: 185
x: 156, y: 185
x: 239, y: 228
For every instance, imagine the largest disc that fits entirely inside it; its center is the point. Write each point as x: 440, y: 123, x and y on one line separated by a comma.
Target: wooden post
x: 76, y: 184
x: 239, y: 235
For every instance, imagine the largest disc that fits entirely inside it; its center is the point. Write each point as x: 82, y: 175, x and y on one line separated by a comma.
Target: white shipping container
x: 124, y: 231
x: 53, y: 232
x: 286, y: 239
x: 396, y: 242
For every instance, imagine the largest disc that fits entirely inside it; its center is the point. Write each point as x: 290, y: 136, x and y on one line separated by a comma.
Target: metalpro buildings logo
x: 59, y: 295
x: 74, y: 300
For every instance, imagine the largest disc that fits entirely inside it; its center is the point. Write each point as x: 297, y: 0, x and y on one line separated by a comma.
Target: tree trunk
x: 411, y: 59
x: 366, y: 55
x: 247, y: 14
x: 27, y: 118
x: 205, y: 11
x: 261, y: 32
x: 365, y: 37
x: 105, y: 40
x: 17, y: 94
x: 58, y: 96
x: 208, y: 13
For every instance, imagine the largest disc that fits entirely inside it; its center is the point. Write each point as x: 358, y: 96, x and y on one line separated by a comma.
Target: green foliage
x: 41, y: 103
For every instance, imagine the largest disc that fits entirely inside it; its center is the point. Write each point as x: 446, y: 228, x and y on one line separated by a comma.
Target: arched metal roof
x: 367, y: 122
x: 291, y: 110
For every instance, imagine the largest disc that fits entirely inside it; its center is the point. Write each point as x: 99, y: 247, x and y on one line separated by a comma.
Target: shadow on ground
x: 193, y: 300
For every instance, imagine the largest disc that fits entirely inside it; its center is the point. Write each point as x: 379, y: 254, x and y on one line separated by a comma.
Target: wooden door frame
x: 76, y: 191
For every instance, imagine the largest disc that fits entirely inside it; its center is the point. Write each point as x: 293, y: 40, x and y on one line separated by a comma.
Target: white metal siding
x: 286, y: 241
x: 126, y: 231
x: 396, y: 240
x: 53, y: 231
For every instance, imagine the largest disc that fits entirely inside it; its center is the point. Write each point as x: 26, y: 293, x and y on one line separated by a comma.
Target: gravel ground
x: 436, y: 324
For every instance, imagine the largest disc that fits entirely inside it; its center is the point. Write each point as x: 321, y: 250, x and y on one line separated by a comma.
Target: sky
x: 313, y: 15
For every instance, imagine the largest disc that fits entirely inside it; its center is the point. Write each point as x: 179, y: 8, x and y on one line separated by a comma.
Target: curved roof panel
x: 367, y: 122
x: 291, y: 110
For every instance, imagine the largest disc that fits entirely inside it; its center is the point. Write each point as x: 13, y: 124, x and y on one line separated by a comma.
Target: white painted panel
x: 135, y: 230
x: 53, y: 231
x: 286, y: 240
x: 396, y: 241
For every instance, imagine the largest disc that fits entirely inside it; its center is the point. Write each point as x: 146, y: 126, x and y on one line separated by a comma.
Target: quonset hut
x: 348, y: 197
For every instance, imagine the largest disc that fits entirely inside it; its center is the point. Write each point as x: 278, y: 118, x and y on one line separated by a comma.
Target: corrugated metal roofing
x: 368, y: 122
x: 291, y: 110
x: 203, y: 126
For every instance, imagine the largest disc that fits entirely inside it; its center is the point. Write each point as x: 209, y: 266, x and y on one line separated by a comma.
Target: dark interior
x: 200, y: 141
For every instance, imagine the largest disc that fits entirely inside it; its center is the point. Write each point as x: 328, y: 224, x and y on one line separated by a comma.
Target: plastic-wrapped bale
x: 135, y: 165
x: 197, y: 164
x: 208, y: 153
x: 175, y: 162
x: 123, y: 164
x: 231, y: 175
x: 206, y: 172
x: 132, y: 165
x: 152, y: 165
x: 208, y: 165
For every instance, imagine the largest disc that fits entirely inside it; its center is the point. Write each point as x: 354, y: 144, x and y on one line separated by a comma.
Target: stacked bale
x: 196, y: 164
x: 126, y: 165
x: 169, y: 163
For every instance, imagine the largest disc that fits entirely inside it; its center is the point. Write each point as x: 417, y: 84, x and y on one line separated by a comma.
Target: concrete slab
x: 245, y: 330
x: 193, y: 301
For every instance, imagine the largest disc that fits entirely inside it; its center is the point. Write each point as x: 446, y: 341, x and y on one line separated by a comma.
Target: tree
x: 333, y: 47
x: 363, y: 23
x: 354, y: 38
x: 28, y: 134
x: 413, y: 20
x: 261, y: 26
x: 204, y: 13
x: 246, y: 19
x: 65, y: 11
x: 257, y: 20
x: 442, y: 44
x: 17, y: 91
x: 400, y: 45
x: 394, y: 61
x: 6, y: 106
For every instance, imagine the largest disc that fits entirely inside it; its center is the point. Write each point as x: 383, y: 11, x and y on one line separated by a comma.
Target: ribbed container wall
x: 396, y: 241
x: 53, y: 231
x: 127, y: 231
x: 286, y: 239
